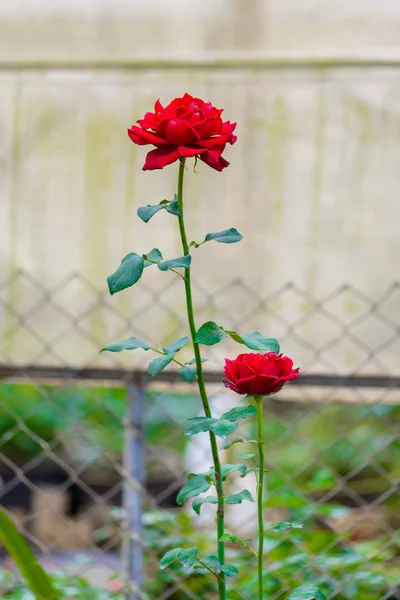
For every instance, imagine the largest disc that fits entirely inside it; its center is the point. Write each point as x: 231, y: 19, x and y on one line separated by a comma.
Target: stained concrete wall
x: 314, y: 179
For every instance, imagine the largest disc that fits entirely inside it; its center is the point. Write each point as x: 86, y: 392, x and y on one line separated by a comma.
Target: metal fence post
x: 134, y: 462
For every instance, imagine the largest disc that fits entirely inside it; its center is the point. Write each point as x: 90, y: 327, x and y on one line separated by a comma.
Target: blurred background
x: 313, y: 187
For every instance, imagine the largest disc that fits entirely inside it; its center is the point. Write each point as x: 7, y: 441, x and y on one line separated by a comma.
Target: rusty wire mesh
x: 332, y: 443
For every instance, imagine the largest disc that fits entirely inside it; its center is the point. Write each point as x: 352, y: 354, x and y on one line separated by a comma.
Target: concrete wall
x: 314, y: 180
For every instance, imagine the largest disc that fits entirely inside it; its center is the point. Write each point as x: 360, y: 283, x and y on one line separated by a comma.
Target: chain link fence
x: 93, y: 454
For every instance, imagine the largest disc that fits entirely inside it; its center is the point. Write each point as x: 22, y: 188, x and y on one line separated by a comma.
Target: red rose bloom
x: 259, y: 374
x: 187, y: 127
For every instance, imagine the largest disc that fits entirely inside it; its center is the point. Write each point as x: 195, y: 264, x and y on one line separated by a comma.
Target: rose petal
x: 208, y: 127
x: 209, y: 159
x: 142, y: 138
x: 230, y: 370
x: 158, y: 107
x: 160, y: 157
x: 190, y: 152
x: 228, y: 128
x: 218, y: 140
x: 258, y: 385
x: 246, y: 370
x: 177, y: 132
x: 232, y: 386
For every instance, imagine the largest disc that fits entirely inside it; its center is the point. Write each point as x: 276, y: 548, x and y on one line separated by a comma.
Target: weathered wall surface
x: 314, y: 184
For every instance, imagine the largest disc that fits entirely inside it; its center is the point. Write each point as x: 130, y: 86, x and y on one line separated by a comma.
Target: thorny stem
x: 202, y: 387
x: 260, y: 489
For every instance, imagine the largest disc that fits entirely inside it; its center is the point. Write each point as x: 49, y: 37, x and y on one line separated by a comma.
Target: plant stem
x: 260, y: 489
x: 202, y: 387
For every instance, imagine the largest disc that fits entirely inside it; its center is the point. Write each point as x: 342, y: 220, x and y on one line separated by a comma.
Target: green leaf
x: 128, y: 344
x: 176, y: 346
x: 198, y: 503
x: 147, y: 212
x: 223, y: 428
x: 248, y: 471
x: 158, y: 364
x: 188, y: 374
x: 128, y: 273
x: 193, y: 487
x: 199, y: 425
x: 169, y: 557
x: 245, y: 456
x: 283, y: 525
x: 212, y: 562
x: 228, y: 236
x: 239, y: 497
x: 226, y: 469
x: 240, y: 412
x: 255, y: 341
x: 307, y: 592
x: 209, y: 334
x: 230, y: 443
x: 193, y: 361
x: 187, y: 557
x: 35, y: 577
x: 175, y: 263
x: 225, y: 537
x: 154, y: 256
x: 172, y: 207
x: 229, y: 570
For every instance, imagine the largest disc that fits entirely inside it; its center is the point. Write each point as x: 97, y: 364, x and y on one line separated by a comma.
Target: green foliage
x: 210, y: 333
x: 283, y: 525
x: 199, y: 425
x: 169, y: 557
x: 198, y: 503
x: 185, y: 557
x: 147, y: 212
x: 227, y: 236
x: 245, y: 456
x: 158, y: 364
x: 175, y: 263
x: 255, y: 341
x: 33, y: 574
x: 226, y: 469
x: 212, y: 563
x: 239, y: 497
x: 306, y: 592
x: 230, y: 570
x: 193, y: 361
x: 172, y: 207
x: 188, y: 556
x: 131, y: 343
x: 232, y: 441
x: 188, y: 374
x: 176, y: 346
x: 154, y: 256
x: 223, y: 428
x: 240, y: 412
x: 310, y: 556
x: 67, y: 585
x: 194, y: 486
x: 128, y: 273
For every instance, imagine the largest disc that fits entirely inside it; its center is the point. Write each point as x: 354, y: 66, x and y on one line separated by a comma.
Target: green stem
x: 260, y: 489
x: 202, y: 387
